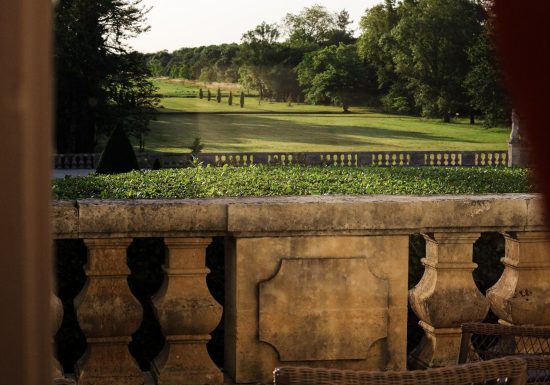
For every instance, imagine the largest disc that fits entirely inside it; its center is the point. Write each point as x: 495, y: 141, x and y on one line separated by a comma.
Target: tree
x: 484, y: 82
x: 201, y: 95
x: 315, y: 26
x: 241, y: 100
x: 132, y: 99
x: 90, y: 57
x: 431, y: 42
x: 230, y: 99
x: 208, y: 95
x: 219, y: 95
x: 332, y: 75
x: 377, y: 46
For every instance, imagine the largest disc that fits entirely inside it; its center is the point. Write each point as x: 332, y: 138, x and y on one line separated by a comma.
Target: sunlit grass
x: 271, y: 126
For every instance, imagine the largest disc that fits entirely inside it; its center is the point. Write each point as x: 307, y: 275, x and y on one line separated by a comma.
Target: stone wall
x: 317, y: 281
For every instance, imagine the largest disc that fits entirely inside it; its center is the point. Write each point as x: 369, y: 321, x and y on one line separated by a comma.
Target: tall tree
x: 91, y: 54
x: 484, y: 82
x: 315, y: 26
x: 268, y: 65
x: 376, y: 45
x: 432, y: 39
x: 333, y: 74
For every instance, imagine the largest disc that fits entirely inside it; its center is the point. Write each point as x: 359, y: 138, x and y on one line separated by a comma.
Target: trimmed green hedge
x: 209, y: 182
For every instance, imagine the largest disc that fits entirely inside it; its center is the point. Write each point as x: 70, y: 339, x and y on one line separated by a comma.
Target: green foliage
x: 201, y: 94
x: 219, y: 95
x: 118, y: 156
x: 209, y: 95
x: 207, y: 182
x: 331, y: 75
x: 100, y: 82
x: 241, y: 100
x: 132, y: 98
x: 230, y: 98
x: 432, y: 38
x: 484, y: 83
x: 196, y: 146
x: 315, y: 26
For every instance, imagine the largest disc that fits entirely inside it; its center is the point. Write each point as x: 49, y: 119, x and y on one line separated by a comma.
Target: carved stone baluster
x: 187, y: 314
x: 522, y: 295
x: 56, y: 313
x: 445, y: 297
x: 108, y: 315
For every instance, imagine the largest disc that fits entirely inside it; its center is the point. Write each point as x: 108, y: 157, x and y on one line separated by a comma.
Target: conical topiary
x: 118, y: 156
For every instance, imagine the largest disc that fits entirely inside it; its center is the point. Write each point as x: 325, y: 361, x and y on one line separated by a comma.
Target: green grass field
x: 268, y: 126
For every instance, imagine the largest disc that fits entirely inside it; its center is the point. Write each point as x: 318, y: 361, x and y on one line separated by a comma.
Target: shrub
x: 201, y: 94
x: 241, y: 101
x: 230, y: 99
x: 196, y: 146
x: 118, y: 156
x: 260, y: 180
x: 219, y: 95
x: 209, y: 95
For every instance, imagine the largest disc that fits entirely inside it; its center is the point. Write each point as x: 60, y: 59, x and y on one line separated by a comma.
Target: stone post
x: 445, y: 297
x: 522, y: 294
x: 187, y: 314
x: 517, y: 146
x: 108, y: 315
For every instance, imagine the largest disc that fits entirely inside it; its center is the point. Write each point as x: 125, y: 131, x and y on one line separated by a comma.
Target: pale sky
x: 192, y: 23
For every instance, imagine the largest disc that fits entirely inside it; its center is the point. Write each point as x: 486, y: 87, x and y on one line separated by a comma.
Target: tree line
x: 432, y: 58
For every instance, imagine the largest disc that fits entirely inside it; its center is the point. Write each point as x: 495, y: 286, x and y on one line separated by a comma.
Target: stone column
x: 517, y: 146
x: 187, y: 314
x: 445, y: 297
x: 108, y: 315
x: 522, y: 295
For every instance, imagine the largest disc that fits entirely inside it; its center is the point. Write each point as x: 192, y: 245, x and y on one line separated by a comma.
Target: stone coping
x: 280, y: 216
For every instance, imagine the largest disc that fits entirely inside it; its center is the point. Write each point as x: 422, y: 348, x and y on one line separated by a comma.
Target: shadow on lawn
x: 235, y: 132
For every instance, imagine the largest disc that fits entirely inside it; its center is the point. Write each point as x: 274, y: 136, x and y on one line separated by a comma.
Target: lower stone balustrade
x: 317, y: 281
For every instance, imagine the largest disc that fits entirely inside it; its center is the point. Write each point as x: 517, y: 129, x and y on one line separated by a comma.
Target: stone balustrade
x: 317, y: 281
x: 339, y: 159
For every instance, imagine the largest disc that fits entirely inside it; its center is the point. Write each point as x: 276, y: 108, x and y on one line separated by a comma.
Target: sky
x: 192, y: 23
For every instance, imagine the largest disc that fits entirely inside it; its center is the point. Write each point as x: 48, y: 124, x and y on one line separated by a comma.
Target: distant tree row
x: 428, y: 57
x: 262, y: 62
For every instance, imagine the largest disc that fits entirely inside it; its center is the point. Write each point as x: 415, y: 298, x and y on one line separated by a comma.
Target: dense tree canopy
x: 99, y: 82
x: 334, y: 74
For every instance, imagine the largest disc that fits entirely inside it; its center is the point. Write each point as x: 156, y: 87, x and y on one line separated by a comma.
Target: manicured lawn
x: 353, y: 132
x: 269, y: 126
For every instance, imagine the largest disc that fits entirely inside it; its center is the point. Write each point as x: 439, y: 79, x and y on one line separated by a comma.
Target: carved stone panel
x: 319, y: 301
x: 323, y: 309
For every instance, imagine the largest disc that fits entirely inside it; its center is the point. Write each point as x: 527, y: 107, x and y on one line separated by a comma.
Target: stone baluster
x: 445, y: 297
x: 187, y: 314
x: 56, y: 313
x: 522, y: 295
x: 108, y: 315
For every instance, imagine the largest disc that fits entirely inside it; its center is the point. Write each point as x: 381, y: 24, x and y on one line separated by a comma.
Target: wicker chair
x: 509, y: 370
x: 482, y: 342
